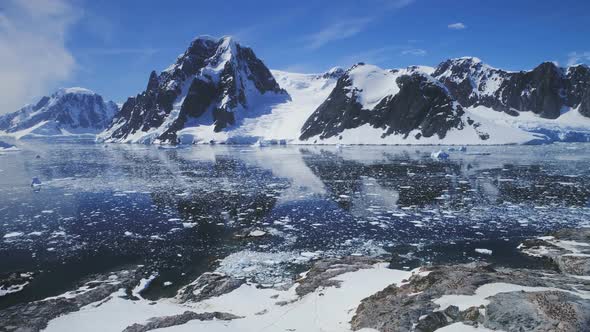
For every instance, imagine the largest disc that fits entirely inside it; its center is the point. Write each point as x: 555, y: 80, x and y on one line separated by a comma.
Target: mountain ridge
x: 463, y: 86
x: 219, y: 91
x: 67, y: 112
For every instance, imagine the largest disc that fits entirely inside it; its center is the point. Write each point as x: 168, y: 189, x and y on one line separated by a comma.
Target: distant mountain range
x: 218, y: 91
x: 67, y: 112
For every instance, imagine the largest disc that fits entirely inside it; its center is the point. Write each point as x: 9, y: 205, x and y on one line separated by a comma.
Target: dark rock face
x: 337, y: 113
x: 334, y: 73
x: 545, y: 90
x: 212, y: 75
x: 421, y: 103
x: 67, y: 109
x: 579, y: 88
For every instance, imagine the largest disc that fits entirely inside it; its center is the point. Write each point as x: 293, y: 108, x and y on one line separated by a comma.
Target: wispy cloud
x: 457, y: 26
x: 337, y: 31
x: 374, y: 56
x: 578, y: 57
x: 350, y: 26
x: 121, y: 51
x: 414, y: 51
x: 399, y: 3
x: 382, y: 55
x: 33, y: 55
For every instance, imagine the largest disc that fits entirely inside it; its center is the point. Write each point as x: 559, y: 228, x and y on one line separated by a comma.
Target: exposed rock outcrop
x: 399, y: 308
x: 208, y: 285
x: 34, y: 316
x: 185, y: 317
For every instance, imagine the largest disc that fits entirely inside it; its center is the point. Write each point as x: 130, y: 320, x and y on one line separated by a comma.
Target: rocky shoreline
x: 477, y: 295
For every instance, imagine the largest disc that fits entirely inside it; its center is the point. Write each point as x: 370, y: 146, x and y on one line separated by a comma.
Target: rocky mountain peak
x: 333, y: 73
x: 214, y: 82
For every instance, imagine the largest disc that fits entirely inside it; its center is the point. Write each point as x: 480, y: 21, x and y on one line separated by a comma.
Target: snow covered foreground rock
x: 334, y: 295
x: 67, y: 112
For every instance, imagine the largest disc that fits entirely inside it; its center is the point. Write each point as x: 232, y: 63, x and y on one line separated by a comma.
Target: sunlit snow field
x: 267, y: 211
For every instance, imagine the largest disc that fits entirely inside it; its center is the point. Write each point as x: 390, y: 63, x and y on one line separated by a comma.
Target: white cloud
x: 457, y: 26
x: 414, y: 51
x: 337, y: 31
x: 33, y: 56
x: 578, y: 57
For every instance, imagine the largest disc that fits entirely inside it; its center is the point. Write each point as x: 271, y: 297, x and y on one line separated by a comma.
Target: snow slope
x: 283, y: 121
x: 326, y: 309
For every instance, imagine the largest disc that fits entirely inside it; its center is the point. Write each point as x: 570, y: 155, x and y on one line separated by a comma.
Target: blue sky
x: 110, y: 46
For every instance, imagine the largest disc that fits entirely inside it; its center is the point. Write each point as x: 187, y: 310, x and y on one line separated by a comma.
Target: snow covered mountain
x: 219, y: 92
x: 282, y: 122
x: 67, y: 112
x: 215, y: 85
x: 462, y: 101
x: 396, y: 101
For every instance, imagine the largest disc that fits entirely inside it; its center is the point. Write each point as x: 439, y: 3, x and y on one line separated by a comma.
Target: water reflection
x: 178, y: 209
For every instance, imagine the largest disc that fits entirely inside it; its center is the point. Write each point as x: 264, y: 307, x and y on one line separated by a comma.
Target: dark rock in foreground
x: 562, y: 304
x: 538, y: 311
x: 34, y: 316
x: 569, y: 249
x: 398, y: 308
x: 322, y: 272
x: 185, y: 317
x: 209, y: 285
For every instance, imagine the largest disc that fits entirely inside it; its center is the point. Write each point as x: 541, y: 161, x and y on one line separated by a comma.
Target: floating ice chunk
x: 483, y: 251
x: 144, y: 283
x: 261, y: 143
x: 189, y: 224
x: 167, y: 283
x: 257, y: 233
x: 12, y: 234
x: 7, y: 147
x: 36, y: 182
x: 439, y: 155
x: 5, y: 290
x: 309, y: 254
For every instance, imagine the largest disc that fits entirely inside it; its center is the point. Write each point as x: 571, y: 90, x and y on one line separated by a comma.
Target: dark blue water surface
x: 177, y: 211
